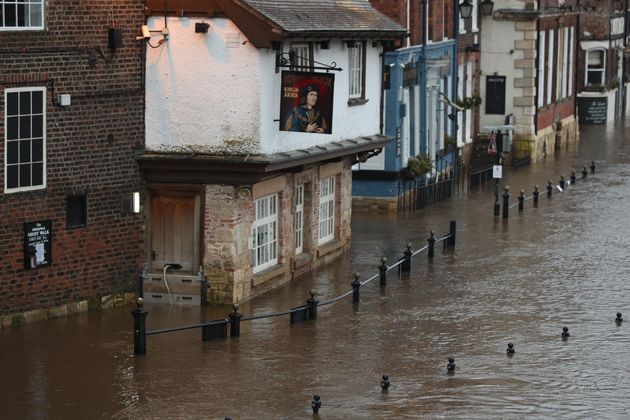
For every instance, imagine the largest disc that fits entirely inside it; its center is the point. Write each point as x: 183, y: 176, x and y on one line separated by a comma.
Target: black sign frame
x: 495, y: 95
x: 592, y: 110
x: 38, y: 244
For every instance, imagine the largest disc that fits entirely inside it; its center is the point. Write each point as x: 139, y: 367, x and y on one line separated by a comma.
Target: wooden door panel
x: 172, y: 234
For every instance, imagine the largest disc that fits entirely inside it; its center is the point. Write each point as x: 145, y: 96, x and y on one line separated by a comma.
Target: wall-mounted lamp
x: 135, y: 208
x: 146, y: 35
x: 486, y: 7
x: 201, y: 27
x: 130, y: 204
x: 465, y: 9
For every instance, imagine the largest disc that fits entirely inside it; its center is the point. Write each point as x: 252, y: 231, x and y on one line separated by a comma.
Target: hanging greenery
x: 418, y: 166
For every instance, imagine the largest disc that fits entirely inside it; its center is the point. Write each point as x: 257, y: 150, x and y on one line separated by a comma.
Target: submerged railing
x: 217, y: 329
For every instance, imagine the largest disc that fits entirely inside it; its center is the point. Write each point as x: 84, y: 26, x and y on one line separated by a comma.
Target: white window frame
x: 355, y: 70
x: 475, y: 16
x: 302, y: 56
x: 602, y: 71
x: 571, y: 47
x: 299, y: 219
x: 550, y: 67
x: 265, y: 233
x: 29, y: 8
x: 20, y: 139
x: 560, y: 63
x: 541, y: 69
x: 326, y: 210
x: 468, y: 91
x: 565, y: 63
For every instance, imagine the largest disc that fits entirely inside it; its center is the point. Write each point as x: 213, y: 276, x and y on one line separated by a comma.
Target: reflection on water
x: 562, y: 264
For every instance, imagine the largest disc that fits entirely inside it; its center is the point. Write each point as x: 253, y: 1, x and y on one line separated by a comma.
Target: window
x: 76, y: 211
x: 474, y: 16
x: 550, y: 66
x: 21, y: 14
x: 299, y: 219
x: 25, y: 139
x: 565, y: 63
x: 595, y: 65
x: 300, y: 57
x: 327, y: 210
x: 570, y: 66
x: 560, y: 64
x: 355, y: 69
x: 541, y: 69
x: 265, y: 248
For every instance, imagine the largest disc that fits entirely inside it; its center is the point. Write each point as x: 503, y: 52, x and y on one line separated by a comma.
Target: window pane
x: 37, y: 150
x: 595, y: 58
x: 12, y: 152
x: 9, y: 15
x: 21, y: 15
x: 12, y: 176
x: 25, y: 151
x: 25, y: 175
x: 36, y: 15
x: 12, y: 128
x: 12, y: 103
x: 38, y: 102
x: 25, y: 127
x: 38, y: 174
x: 38, y: 129
x: 25, y: 103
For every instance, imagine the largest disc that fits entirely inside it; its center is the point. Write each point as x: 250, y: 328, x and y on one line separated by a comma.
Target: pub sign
x: 306, y: 102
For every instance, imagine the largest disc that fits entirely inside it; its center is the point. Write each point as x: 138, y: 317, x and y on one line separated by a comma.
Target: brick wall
x: 89, y: 150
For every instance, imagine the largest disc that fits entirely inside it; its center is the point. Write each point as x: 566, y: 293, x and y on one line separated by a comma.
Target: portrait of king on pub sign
x: 306, y: 102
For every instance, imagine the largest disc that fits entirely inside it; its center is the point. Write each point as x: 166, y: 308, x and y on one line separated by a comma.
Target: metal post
x: 452, y: 232
x: 592, y: 166
x: 521, y: 200
x: 356, y: 285
x: 406, y: 265
x: 431, y: 241
x: 506, y: 201
x: 497, y: 206
x: 562, y: 182
x: 235, y: 321
x: 139, y: 328
x: 549, y: 188
x: 311, y: 304
x: 382, y: 269
x: 536, y: 193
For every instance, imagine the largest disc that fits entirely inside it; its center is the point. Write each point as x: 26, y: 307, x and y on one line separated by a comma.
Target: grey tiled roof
x: 325, y: 16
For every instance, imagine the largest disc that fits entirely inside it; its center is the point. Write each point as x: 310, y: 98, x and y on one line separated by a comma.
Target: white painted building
x: 248, y: 176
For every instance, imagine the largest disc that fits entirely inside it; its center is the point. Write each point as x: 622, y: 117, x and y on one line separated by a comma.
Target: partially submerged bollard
x: 406, y: 264
x: 431, y: 243
x: 565, y: 333
x: 573, y: 178
x: 506, y: 201
x: 592, y: 166
x: 521, y: 200
x: 536, y: 193
x: 450, y: 366
x: 382, y: 270
x: 510, y: 349
x: 316, y: 404
x: 139, y: 328
x: 235, y: 321
x: 619, y: 319
x: 311, y: 305
x: 385, y: 382
x: 356, y: 286
x: 562, y: 182
x: 549, y: 188
x: 584, y: 172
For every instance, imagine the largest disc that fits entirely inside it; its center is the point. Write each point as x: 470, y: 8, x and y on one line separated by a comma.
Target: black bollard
x: 573, y: 178
x: 385, y: 382
x: 452, y: 233
x: 536, y: 193
x: 431, y: 242
x: 592, y: 166
x: 311, y: 305
x: 506, y: 201
x: 235, y: 321
x: 619, y: 319
x: 228, y: 418
x: 510, y: 349
x: 584, y: 172
x: 565, y: 333
x: 562, y: 182
x: 549, y: 188
x: 356, y: 286
x: 139, y: 328
x: 316, y: 404
x: 521, y: 200
x: 406, y: 265
x: 450, y: 366
x: 382, y: 270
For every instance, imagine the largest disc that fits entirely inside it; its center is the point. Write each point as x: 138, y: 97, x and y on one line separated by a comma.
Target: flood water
x: 564, y: 263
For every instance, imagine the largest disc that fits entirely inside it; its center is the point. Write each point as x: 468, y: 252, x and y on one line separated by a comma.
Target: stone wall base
x: 563, y: 135
x: 379, y: 204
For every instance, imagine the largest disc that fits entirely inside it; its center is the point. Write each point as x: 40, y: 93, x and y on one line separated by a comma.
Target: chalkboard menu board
x: 495, y: 95
x: 37, y: 244
x: 592, y: 110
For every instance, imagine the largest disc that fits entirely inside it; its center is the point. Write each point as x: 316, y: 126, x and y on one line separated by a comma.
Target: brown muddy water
x: 565, y: 263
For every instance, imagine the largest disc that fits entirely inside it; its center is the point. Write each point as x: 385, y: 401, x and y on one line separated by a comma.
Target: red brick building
x: 71, y: 116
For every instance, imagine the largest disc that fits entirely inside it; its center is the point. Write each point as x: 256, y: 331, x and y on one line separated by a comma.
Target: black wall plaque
x: 37, y: 244
x: 387, y: 74
x: 495, y: 95
x: 410, y: 75
x: 592, y: 110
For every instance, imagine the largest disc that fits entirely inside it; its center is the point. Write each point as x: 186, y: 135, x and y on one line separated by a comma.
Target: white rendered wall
x: 497, y: 40
x: 216, y: 93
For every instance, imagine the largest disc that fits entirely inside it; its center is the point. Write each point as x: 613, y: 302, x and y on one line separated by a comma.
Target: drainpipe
x: 576, y: 49
x: 425, y: 39
x: 622, y: 85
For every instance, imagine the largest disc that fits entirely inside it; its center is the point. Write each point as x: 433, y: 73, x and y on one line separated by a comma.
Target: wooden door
x: 174, y: 231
